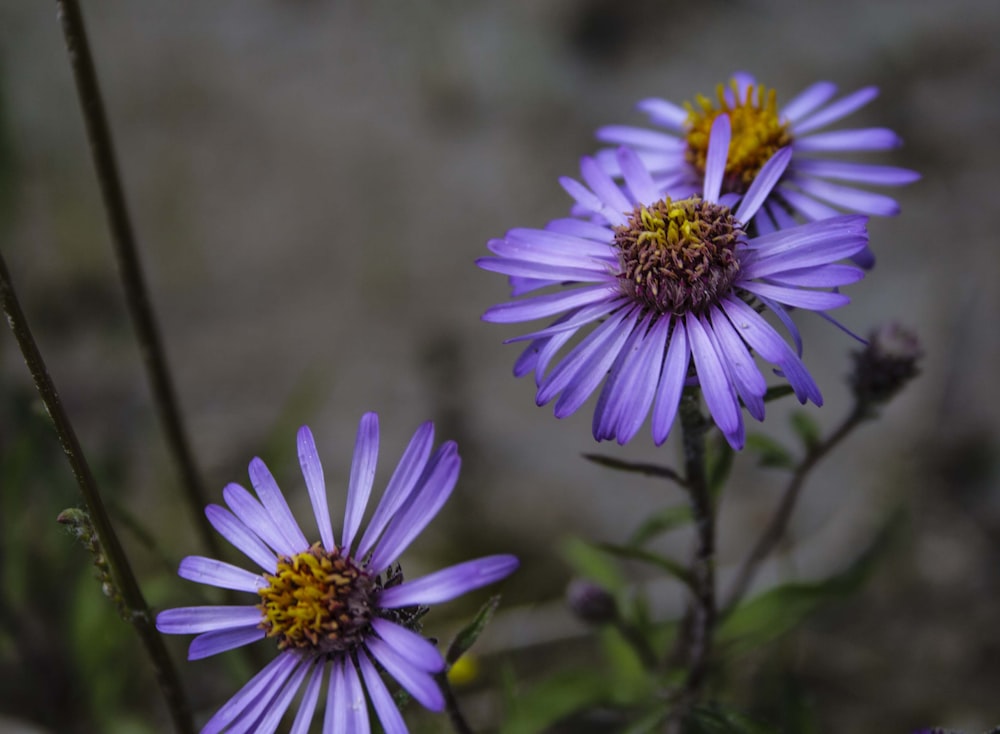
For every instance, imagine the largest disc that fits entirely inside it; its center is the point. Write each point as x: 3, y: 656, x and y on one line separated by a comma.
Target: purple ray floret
x: 332, y: 611
x: 673, y: 295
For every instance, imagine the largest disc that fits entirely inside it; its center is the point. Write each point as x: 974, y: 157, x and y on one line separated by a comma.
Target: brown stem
x: 121, y: 572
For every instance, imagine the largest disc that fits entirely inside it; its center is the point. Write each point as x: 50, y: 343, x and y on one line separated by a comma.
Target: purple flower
x: 674, y: 291
x: 806, y: 191
x: 342, y: 608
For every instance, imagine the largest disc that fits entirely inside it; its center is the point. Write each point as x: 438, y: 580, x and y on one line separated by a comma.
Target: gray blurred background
x: 310, y: 184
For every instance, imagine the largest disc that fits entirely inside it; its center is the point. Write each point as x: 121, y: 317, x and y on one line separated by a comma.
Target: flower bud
x: 884, y: 367
x: 591, y: 603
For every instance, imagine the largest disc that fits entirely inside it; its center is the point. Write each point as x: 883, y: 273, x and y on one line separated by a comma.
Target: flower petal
x: 671, y: 384
x: 254, y: 692
x: 192, y: 620
x: 856, y: 172
x: 359, y: 487
x: 448, y: 583
x: 432, y: 491
x: 715, y: 159
x: 212, y: 643
x: 637, y: 178
x: 219, y: 573
x: 272, y: 717
x: 549, y: 304
x: 870, y: 138
x: 383, y: 702
x: 417, y: 651
x: 421, y: 685
x: 798, y: 297
x: 307, y: 706
x: 255, y: 517
x: 274, y: 502
x: 242, y: 538
x: 849, y: 198
x: 312, y: 471
x: 837, y: 111
x: 666, y: 114
x: 763, y: 184
x: 720, y: 395
x: 808, y: 100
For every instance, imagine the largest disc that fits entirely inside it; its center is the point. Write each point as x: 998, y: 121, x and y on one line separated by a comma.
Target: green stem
x: 126, y: 253
x: 121, y: 571
x: 776, y: 528
x: 455, y: 716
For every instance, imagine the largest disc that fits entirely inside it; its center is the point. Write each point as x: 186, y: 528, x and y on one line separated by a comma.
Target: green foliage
x: 807, y: 429
x: 777, y: 391
x: 468, y: 635
x: 716, y: 719
x: 770, y: 452
x: 555, y: 698
x: 659, y: 524
x: 592, y: 563
x: 631, y: 553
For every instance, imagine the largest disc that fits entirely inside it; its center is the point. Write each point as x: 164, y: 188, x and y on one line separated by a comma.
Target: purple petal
x: 194, y: 620
x: 274, y: 502
x: 415, y: 649
x: 786, y: 320
x: 211, y: 643
x: 580, y: 228
x: 433, y: 490
x: 738, y: 363
x: 752, y: 327
x: 638, y: 137
x: 808, y: 100
x: 856, y: 172
x: 763, y: 222
x: 404, y: 479
x: 272, y: 717
x: 572, y: 321
x: 385, y: 707
x: 720, y: 396
x: 806, y: 205
x: 242, y: 538
x: 420, y: 684
x: 256, y: 690
x: 672, y: 376
x: 312, y: 470
x: 602, y: 185
x: 782, y: 218
x: 346, y: 710
x: 362, y: 476
x: 812, y: 300
x: 307, y: 707
x: 218, y: 573
x: 255, y: 517
x: 628, y: 394
x: 582, y: 195
x: 856, y: 200
x: 838, y: 110
x: 715, y: 160
x: 582, y: 355
x: 520, y: 240
x: 665, y: 113
x: 765, y: 181
x: 448, y: 583
x: 550, y: 304
x: 254, y: 717
x: 637, y: 178
x: 582, y: 271
x: 823, y: 276
x: 870, y: 138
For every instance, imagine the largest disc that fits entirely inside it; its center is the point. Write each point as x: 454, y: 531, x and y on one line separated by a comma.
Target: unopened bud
x: 591, y: 603
x: 884, y: 367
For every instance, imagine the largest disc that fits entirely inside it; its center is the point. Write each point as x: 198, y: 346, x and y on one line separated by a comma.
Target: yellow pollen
x: 757, y: 132
x: 318, y: 600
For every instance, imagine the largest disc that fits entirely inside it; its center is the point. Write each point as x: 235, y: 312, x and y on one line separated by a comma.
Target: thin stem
x: 126, y: 253
x: 455, y: 716
x: 776, y: 528
x: 650, y: 470
x: 121, y: 571
x: 703, y: 611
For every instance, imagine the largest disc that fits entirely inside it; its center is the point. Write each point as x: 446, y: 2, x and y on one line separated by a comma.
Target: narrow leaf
x: 662, y: 522
x: 669, y: 565
x: 777, y: 391
x: 467, y: 637
x: 807, y: 429
x: 770, y: 452
x: 650, y: 470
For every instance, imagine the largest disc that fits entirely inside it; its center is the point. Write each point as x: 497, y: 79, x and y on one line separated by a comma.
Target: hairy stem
x: 121, y: 572
x: 126, y: 253
x: 776, y: 528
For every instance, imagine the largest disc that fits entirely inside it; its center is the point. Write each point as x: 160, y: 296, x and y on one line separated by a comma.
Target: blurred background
x: 310, y: 184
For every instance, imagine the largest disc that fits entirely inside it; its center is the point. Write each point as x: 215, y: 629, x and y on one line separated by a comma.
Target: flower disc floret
x: 757, y: 132
x: 317, y: 600
x: 678, y: 256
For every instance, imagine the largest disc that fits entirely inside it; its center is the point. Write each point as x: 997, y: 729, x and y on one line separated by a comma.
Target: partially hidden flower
x: 339, y: 613
x: 807, y: 191
x: 671, y: 291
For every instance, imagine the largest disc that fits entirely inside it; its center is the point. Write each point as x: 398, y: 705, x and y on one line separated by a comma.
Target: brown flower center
x: 317, y: 600
x: 678, y: 256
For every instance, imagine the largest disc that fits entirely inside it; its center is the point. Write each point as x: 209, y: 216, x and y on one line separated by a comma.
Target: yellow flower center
x: 757, y: 133
x: 317, y: 600
x: 678, y: 256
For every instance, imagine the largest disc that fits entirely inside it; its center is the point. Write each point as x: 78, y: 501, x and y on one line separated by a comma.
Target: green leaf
x: 807, y: 429
x: 777, y: 391
x: 651, y: 721
x: 770, y: 452
x: 590, y: 563
x: 715, y: 719
x: 650, y: 470
x: 554, y: 699
x: 669, y: 565
x: 468, y: 635
x: 775, y: 612
x: 659, y: 523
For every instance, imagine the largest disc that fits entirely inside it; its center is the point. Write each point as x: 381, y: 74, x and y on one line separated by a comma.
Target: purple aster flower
x: 342, y: 608
x: 807, y: 191
x: 674, y: 291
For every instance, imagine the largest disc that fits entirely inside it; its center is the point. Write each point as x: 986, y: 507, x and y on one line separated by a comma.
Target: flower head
x: 674, y: 291
x: 338, y: 607
x: 806, y: 190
